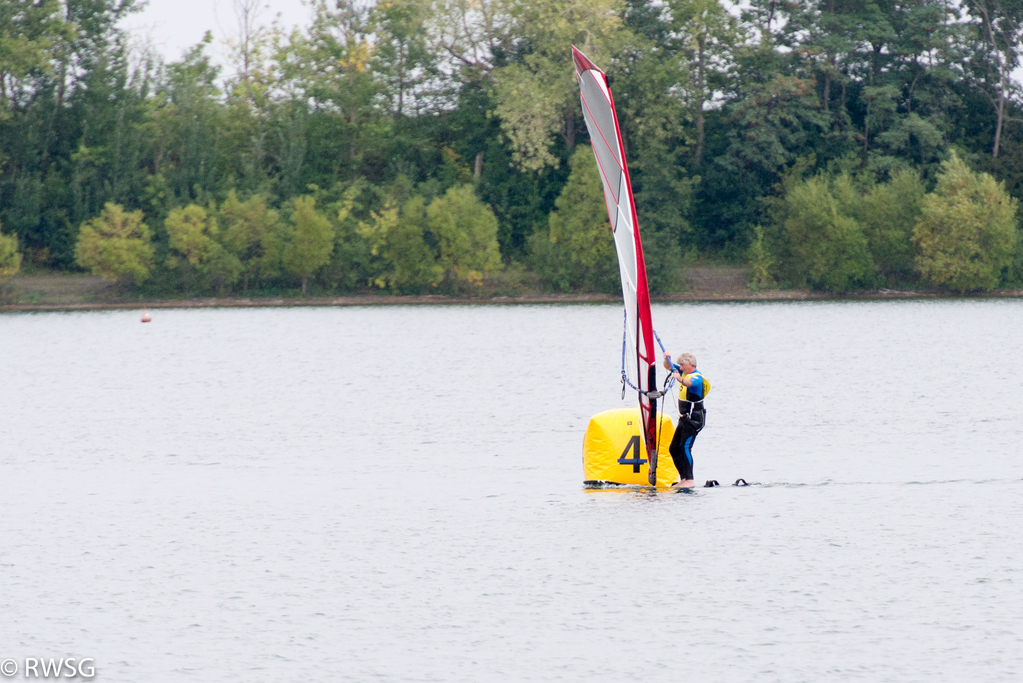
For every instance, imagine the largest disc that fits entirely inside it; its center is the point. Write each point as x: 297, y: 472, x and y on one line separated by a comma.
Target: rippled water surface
x: 395, y: 494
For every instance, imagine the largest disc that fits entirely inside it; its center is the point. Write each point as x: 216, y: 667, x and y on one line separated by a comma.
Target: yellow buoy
x: 614, y: 451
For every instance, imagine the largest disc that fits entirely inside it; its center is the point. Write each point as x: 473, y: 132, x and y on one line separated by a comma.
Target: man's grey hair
x: 686, y: 359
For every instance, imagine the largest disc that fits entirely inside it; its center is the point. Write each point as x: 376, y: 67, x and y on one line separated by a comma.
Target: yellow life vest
x: 683, y: 390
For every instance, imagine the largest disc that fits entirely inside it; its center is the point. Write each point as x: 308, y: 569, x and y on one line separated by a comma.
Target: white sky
x: 173, y: 26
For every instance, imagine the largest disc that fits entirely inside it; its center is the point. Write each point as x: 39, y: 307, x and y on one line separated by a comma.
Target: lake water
x: 395, y: 494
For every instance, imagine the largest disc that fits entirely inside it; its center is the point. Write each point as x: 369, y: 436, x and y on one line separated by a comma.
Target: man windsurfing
x: 692, y: 416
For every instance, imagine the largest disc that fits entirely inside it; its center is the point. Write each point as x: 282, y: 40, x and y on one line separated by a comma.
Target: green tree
x: 967, y: 230
x: 913, y: 140
x: 63, y: 88
x: 185, y: 122
x: 998, y: 56
x: 10, y: 258
x: 773, y: 124
x: 249, y: 104
x: 353, y: 265
x: 401, y: 53
x: 398, y: 236
x: 521, y: 50
x: 195, y: 251
x: 827, y: 247
x: 253, y: 234
x: 190, y: 235
x: 330, y: 68
x: 466, y: 233
x: 888, y: 212
x: 29, y: 29
x: 537, y: 97
x: 550, y: 261
x: 115, y: 245
x: 580, y: 229
x: 310, y: 242
x: 707, y: 35
x: 760, y: 260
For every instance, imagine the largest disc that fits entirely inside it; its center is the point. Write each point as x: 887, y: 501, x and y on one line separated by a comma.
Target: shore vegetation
x: 422, y: 147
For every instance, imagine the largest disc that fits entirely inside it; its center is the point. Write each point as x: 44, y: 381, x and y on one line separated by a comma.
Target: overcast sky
x: 173, y: 26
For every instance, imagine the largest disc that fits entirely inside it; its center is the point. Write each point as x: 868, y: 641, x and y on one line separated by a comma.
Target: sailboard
x: 639, y: 369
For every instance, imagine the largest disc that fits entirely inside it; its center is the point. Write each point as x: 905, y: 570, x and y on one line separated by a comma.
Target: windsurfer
x: 692, y: 389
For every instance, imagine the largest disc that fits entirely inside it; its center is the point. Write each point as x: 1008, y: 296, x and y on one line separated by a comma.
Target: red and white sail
x: 606, y: 139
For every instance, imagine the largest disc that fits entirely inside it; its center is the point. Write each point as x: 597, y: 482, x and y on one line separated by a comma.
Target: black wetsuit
x: 692, y: 418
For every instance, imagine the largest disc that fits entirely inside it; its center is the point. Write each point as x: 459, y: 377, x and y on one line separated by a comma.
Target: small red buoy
x: 146, y: 317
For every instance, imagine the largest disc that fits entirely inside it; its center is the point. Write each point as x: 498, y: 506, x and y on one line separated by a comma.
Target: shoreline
x: 444, y: 300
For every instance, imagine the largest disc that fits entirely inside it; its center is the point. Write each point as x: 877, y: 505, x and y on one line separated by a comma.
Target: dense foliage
x: 437, y: 145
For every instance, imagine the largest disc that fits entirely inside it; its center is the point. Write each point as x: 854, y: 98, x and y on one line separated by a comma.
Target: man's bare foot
x: 685, y: 484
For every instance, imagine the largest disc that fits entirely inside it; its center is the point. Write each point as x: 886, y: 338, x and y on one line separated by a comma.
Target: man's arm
x: 676, y: 371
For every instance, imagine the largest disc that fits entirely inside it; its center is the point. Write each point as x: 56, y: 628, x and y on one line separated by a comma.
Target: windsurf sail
x: 640, y: 369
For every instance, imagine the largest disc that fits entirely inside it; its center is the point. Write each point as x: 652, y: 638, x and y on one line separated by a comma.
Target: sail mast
x: 606, y: 141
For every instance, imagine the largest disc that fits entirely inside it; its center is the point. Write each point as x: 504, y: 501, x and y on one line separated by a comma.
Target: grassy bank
x: 60, y: 291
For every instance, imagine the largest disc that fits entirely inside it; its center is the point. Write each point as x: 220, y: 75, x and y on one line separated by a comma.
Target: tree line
x: 437, y: 145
